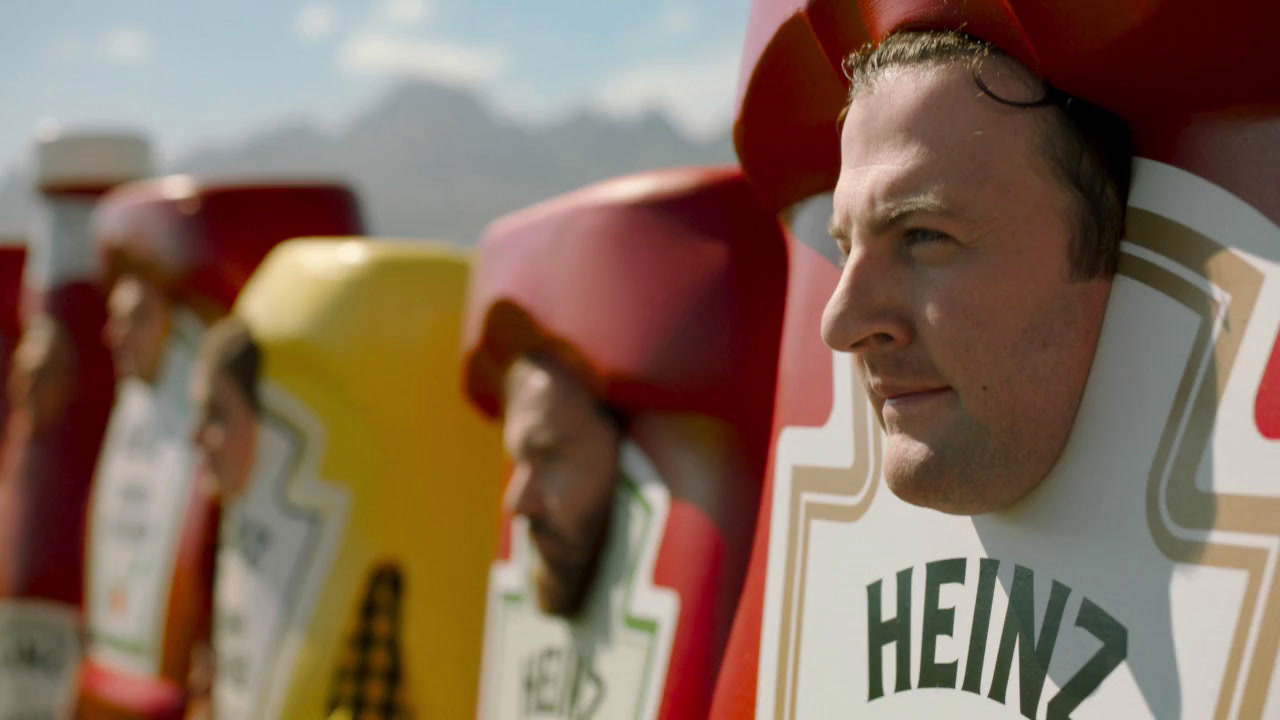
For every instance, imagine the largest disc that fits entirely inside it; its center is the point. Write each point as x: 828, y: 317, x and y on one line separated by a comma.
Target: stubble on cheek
x: 972, y: 458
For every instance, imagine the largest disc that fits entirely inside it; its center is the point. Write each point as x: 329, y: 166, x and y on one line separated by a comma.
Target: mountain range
x: 435, y: 161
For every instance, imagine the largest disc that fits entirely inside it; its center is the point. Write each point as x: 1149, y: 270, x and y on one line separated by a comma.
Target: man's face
x: 566, y: 457
x: 970, y: 338
x: 225, y: 434
x: 42, y: 377
x: 137, y: 327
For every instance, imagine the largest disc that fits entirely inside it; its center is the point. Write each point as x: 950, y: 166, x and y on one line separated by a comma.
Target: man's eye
x: 841, y: 241
x: 917, y: 236
x: 547, y: 455
x: 216, y: 415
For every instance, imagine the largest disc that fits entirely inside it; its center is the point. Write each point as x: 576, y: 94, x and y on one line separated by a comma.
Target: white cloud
x: 407, y: 12
x: 380, y: 53
x: 316, y: 21
x: 126, y: 45
x: 698, y: 94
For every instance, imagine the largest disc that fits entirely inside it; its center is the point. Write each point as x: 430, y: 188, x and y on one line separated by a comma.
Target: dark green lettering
x: 938, y: 622
x: 1019, y: 628
x: 588, y: 695
x: 571, y: 668
x: 987, y: 569
x: 882, y: 632
x: 548, y: 662
x: 1115, y: 648
x: 529, y: 706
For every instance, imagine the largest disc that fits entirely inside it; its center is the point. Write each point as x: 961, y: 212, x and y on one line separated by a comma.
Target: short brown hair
x: 228, y: 346
x: 1087, y: 148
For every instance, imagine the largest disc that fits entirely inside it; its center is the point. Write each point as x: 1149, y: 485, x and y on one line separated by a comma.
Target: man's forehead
x: 525, y: 382
x: 545, y: 383
x: 542, y: 402
x: 126, y: 293
x: 995, y: 75
x: 924, y: 135
x: 929, y: 108
x: 201, y: 387
x: 131, y: 292
x: 874, y: 196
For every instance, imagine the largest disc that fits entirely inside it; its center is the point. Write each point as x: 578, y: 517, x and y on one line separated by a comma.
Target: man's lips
x: 901, y: 403
x: 904, y: 393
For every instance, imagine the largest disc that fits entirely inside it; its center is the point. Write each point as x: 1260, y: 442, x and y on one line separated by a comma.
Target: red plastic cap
x: 1137, y: 58
x: 12, y: 261
x: 202, y: 239
x: 664, y: 289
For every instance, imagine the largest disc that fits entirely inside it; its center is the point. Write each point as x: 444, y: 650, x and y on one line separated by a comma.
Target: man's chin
x: 953, y: 482
x: 563, y: 587
x: 559, y: 595
x: 919, y: 476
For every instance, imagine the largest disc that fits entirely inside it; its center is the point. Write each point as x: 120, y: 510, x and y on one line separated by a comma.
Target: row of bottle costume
x: 368, y: 564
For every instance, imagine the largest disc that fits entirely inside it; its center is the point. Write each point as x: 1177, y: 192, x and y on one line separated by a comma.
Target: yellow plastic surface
x: 365, y: 334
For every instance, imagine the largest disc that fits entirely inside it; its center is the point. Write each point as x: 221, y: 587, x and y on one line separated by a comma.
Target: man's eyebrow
x: 541, y: 440
x: 896, y: 211
x: 890, y: 214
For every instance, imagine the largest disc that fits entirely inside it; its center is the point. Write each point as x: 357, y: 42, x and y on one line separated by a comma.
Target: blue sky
x: 198, y: 73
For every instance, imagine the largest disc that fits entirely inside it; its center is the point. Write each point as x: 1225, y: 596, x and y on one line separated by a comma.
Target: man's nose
x: 111, y: 334
x: 524, y: 493
x: 114, y: 333
x: 868, y: 310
